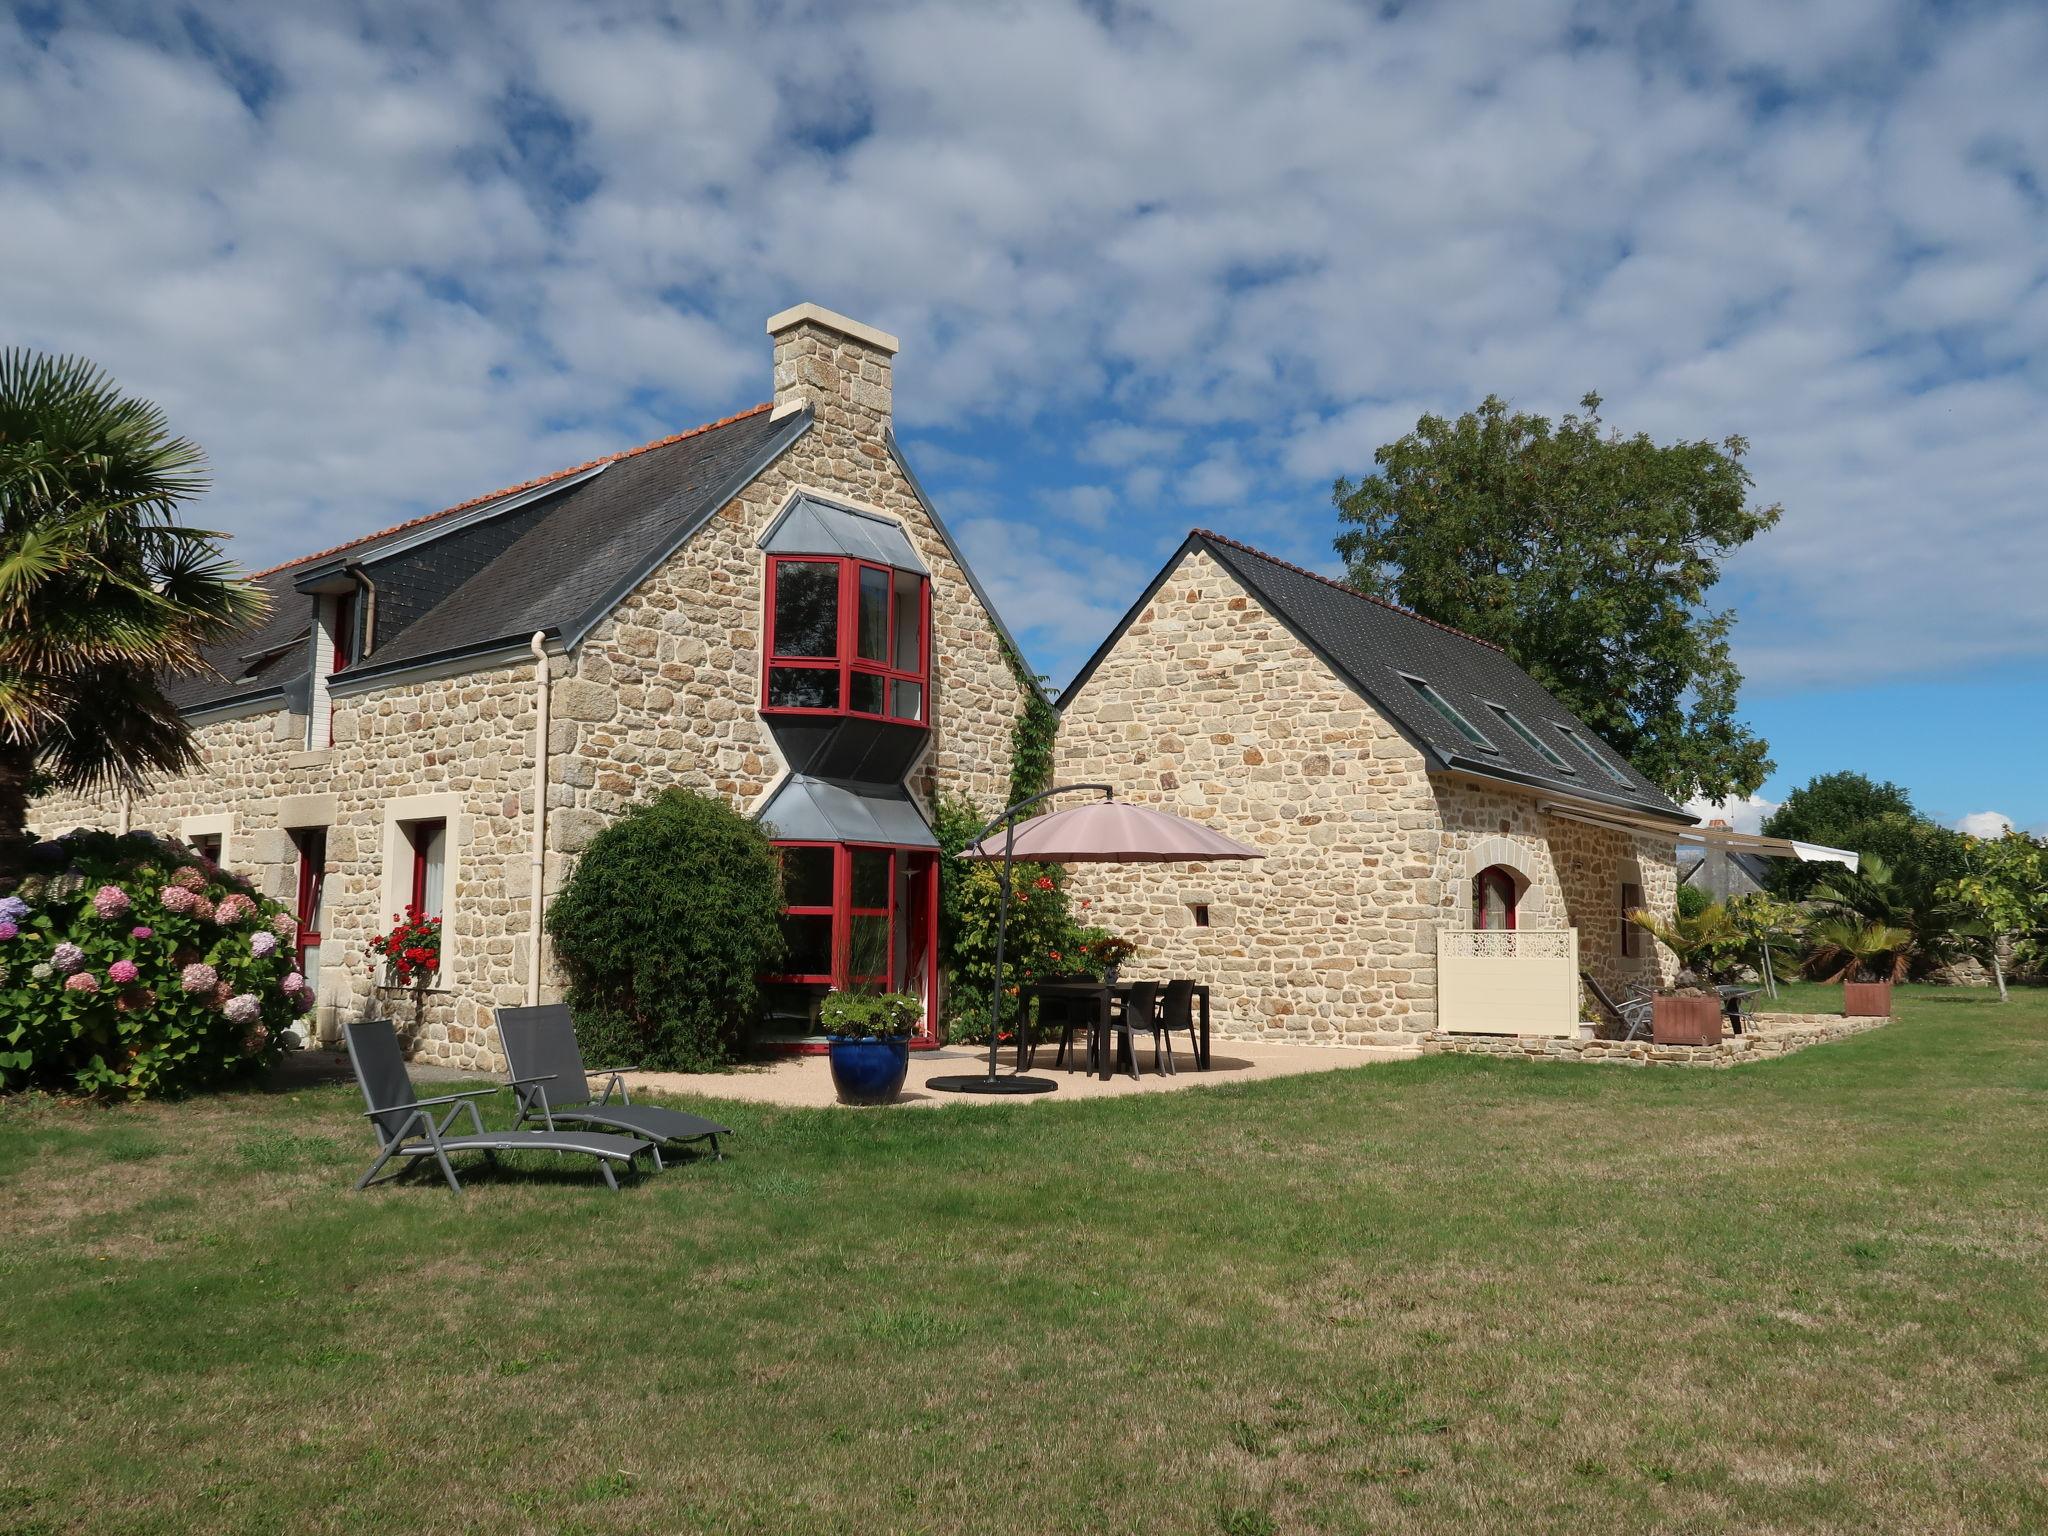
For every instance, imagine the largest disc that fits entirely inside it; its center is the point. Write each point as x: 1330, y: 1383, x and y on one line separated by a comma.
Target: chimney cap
x: 831, y: 320
x: 1718, y: 822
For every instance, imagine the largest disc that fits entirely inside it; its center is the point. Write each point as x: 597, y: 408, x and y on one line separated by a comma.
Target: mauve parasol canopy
x: 1110, y: 832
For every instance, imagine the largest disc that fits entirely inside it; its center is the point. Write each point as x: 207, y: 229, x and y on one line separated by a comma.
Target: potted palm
x: 867, y: 1042
x: 1866, y: 958
x: 1704, y: 943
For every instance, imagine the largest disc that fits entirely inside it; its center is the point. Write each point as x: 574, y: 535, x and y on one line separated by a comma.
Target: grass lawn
x: 1443, y: 1295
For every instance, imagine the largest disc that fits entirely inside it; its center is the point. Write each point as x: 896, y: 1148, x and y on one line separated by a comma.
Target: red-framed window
x: 846, y: 637
x: 344, y: 631
x: 311, y: 846
x: 429, y: 843
x: 856, y: 915
x: 1493, y: 898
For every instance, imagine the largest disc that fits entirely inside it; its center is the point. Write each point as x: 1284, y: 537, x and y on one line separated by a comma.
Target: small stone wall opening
x: 1200, y: 912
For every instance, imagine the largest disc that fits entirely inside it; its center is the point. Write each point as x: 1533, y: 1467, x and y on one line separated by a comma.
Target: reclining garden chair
x: 1634, y: 1013
x: 406, y: 1126
x: 546, y: 1071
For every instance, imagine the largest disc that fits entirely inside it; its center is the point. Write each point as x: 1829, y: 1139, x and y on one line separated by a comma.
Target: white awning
x: 1707, y: 837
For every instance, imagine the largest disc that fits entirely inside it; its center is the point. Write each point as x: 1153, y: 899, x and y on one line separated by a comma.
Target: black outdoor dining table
x: 1099, y: 992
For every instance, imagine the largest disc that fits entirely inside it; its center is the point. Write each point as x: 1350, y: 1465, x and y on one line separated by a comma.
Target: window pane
x: 791, y: 1007
x: 868, y: 959
x: 807, y: 877
x: 909, y: 621
x: 803, y: 688
x: 874, y: 614
x: 906, y: 700
x: 433, y: 856
x: 867, y: 693
x: 807, y: 946
x: 806, y: 609
x: 871, y: 878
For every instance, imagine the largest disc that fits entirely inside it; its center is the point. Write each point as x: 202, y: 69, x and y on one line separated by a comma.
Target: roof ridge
x: 513, y: 490
x: 1364, y: 597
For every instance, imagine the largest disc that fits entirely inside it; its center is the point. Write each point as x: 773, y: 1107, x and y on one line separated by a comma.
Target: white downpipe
x: 538, y: 857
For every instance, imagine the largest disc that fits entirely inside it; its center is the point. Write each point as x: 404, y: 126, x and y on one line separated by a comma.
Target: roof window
x: 1599, y: 762
x: 1444, y: 707
x: 1532, y: 741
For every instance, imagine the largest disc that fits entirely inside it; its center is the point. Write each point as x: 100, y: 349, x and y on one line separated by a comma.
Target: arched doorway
x: 1493, y: 898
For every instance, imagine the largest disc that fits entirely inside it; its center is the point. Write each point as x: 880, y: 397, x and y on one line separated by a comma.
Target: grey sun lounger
x: 1632, y: 1013
x: 546, y: 1071
x: 406, y: 1125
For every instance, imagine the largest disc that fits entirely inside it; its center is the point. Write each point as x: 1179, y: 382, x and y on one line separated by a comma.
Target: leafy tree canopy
x: 1588, y: 556
x: 1850, y: 810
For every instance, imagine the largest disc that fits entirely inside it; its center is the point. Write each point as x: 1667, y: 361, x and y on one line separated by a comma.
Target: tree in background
x: 1588, y: 556
x: 2005, y: 894
x: 103, y: 594
x: 1918, y: 924
x: 1849, y: 810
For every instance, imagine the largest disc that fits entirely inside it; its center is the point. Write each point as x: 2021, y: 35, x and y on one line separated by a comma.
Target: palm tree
x: 103, y: 594
x: 1848, y: 950
x: 1873, y: 895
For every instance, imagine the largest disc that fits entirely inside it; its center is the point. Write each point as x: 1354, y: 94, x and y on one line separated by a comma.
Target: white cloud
x: 1984, y: 824
x: 1745, y: 815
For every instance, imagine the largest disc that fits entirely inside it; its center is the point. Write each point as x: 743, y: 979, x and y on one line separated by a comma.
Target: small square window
x: 1200, y: 910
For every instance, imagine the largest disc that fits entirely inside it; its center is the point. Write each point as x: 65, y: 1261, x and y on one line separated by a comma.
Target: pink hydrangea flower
x: 82, y: 981
x: 222, y: 991
x: 177, y: 899
x: 255, y: 1040
x: 243, y: 1008
x: 232, y: 909
x: 293, y: 982
x: 281, y: 925
x: 142, y: 932
x: 121, y: 972
x: 262, y: 942
x: 202, y: 909
x: 67, y: 957
x: 188, y: 878
x: 8, y: 930
x: 198, y: 978
x: 110, y: 901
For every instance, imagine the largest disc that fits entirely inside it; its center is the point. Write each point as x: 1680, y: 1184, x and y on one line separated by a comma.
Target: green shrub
x: 672, y: 915
x: 132, y: 967
x: 870, y: 1015
x: 1692, y: 901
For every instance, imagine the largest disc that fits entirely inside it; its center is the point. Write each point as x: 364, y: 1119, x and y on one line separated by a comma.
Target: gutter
x: 537, y: 859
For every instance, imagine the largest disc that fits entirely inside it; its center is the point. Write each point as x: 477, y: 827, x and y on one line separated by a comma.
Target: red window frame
x: 344, y: 631
x: 419, y: 834
x: 311, y: 843
x: 1502, y: 880
x: 828, y: 977
x: 842, y: 911
x: 846, y: 663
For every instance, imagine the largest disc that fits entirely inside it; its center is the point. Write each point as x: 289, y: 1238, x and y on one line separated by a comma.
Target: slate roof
x: 556, y: 561
x: 1374, y: 646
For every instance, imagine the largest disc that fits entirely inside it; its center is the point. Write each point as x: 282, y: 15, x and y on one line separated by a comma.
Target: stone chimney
x: 837, y: 366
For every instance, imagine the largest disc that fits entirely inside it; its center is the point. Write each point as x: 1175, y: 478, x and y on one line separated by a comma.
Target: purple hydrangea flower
x: 293, y: 982
x: 13, y: 909
x: 244, y: 1008
x: 67, y: 957
x: 262, y: 942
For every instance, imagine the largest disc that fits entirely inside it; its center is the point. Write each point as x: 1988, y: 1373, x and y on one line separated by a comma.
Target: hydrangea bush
x: 133, y: 967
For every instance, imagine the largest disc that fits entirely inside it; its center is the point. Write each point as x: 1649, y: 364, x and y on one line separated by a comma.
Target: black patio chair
x: 406, y: 1127
x: 1634, y: 1014
x: 1732, y: 1001
x: 1177, y: 1011
x: 545, y: 1069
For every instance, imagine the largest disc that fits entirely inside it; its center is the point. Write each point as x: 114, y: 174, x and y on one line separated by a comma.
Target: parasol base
x: 990, y: 1083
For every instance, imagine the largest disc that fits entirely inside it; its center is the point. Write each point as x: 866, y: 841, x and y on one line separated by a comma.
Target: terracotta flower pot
x: 1866, y: 999
x: 1686, y: 1021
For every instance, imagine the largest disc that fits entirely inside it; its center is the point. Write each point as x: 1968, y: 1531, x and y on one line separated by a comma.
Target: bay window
x: 846, y: 637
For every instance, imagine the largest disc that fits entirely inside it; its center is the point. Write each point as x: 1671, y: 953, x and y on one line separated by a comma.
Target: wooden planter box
x: 1686, y: 1021
x: 1866, y: 999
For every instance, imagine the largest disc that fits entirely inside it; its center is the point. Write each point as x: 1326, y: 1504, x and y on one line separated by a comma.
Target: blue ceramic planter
x: 868, y: 1071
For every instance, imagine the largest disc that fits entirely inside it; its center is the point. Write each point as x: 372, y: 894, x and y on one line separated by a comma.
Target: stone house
x: 767, y: 608
x: 1446, y: 845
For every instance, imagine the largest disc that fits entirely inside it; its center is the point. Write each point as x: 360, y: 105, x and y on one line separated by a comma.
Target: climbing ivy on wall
x: 1031, y: 738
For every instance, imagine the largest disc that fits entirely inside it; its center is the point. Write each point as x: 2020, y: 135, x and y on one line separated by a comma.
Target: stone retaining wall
x: 1771, y: 1035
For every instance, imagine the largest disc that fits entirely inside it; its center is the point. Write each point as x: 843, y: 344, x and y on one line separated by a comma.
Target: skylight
x: 1444, y: 707
x: 1532, y: 741
x: 1600, y: 762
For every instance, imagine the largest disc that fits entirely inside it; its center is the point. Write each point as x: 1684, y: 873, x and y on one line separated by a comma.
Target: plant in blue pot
x: 867, y: 1040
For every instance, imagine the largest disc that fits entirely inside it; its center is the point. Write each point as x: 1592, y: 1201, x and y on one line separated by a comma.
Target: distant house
x: 1720, y: 872
x: 1446, y: 844
x: 766, y: 608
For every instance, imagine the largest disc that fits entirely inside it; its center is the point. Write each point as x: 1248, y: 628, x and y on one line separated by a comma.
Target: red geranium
x: 413, y: 946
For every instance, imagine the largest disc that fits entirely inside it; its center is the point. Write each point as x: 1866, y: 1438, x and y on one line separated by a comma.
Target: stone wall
x: 1209, y: 707
x: 1769, y: 1037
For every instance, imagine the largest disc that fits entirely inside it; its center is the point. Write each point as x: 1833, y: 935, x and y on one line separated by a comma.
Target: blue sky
x: 1153, y: 267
